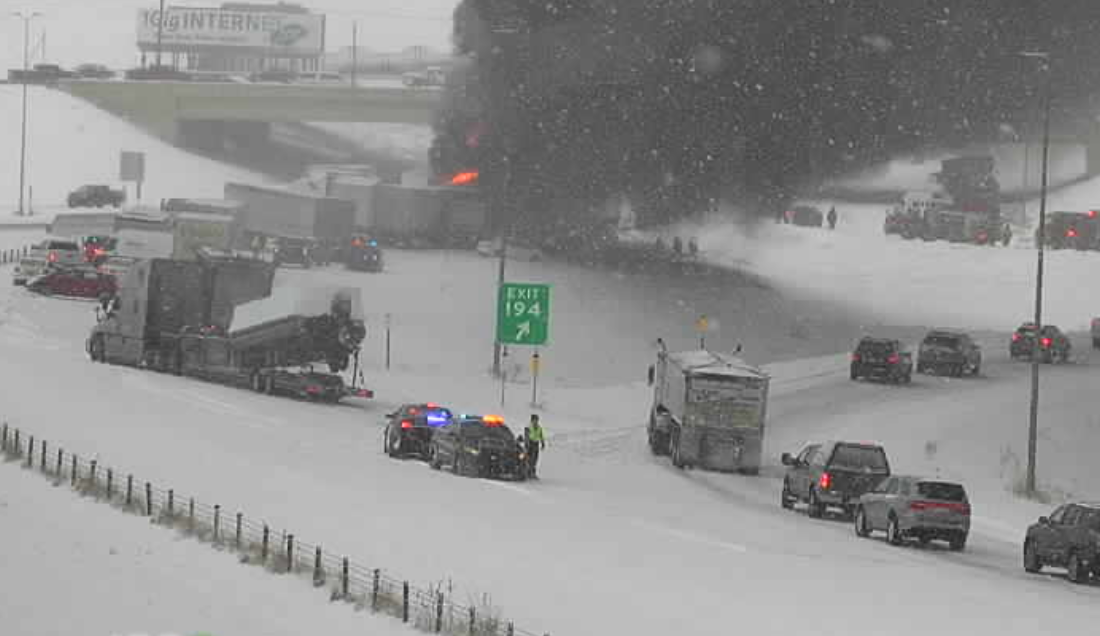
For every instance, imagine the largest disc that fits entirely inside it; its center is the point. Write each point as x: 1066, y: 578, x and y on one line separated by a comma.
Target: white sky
x: 103, y: 31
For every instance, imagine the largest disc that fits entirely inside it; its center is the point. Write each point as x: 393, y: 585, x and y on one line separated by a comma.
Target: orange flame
x: 465, y: 178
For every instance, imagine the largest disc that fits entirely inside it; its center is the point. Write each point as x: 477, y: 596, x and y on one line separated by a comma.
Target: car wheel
x: 677, y: 458
x: 814, y: 508
x: 1096, y: 343
x: 893, y: 532
x: 394, y: 444
x: 1074, y: 572
x: 977, y: 369
x: 786, y: 499
x: 862, y: 529
x: 1032, y: 563
x: 854, y: 374
x: 958, y: 542
x: 433, y: 458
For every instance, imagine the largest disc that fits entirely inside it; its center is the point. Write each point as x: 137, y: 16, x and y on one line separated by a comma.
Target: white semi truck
x: 708, y: 411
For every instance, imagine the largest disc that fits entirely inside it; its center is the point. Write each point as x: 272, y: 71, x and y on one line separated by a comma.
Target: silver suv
x: 911, y: 507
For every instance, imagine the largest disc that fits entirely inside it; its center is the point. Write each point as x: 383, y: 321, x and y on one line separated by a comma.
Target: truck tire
x: 1096, y: 343
x: 677, y: 459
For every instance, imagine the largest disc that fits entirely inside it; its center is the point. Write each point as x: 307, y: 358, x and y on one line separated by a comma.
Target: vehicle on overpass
x: 431, y: 76
x: 1072, y: 230
x: 157, y: 73
x: 915, y: 508
x: 832, y: 474
x: 708, y: 411
x: 216, y: 319
x: 94, y: 71
x: 96, y: 196
x: 1069, y: 538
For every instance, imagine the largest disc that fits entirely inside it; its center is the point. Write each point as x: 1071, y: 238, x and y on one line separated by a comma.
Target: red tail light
x: 1092, y: 214
x: 919, y: 506
x: 313, y: 389
x: 1047, y: 342
x: 894, y: 359
x: 855, y: 357
x: 826, y: 481
x: 52, y: 257
x: 1071, y: 233
x: 1015, y: 337
x: 406, y: 424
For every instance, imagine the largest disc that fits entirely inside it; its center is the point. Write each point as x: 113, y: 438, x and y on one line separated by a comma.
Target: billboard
x: 196, y: 27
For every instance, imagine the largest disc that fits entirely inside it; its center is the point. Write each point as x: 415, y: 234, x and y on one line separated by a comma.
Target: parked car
x: 1068, y: 538
x: 58, y: 252
x: 364, y: 255
x: 74, y: 282
x: 409, y: 429
x: 951, y: 352
x: 882, y: 359
x: 832, y: 475
x: 1096, y: 333
x: 806, y: 215
x: 478, y: 446
x: 94, y: 71
x: 911, y: 507
x: 96, y: 196
x: 155, y: 73
x: 1049, y: 343
x: 294, y: 251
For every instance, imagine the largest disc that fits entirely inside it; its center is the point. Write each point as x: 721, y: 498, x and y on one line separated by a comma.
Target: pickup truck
x: 832, y: 475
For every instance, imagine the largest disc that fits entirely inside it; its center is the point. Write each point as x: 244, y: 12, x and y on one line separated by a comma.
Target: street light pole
x: 26, y: 18
x: 1033, y: 420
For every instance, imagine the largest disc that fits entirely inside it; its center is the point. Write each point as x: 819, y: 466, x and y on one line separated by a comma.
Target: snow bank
x: 294, y: 301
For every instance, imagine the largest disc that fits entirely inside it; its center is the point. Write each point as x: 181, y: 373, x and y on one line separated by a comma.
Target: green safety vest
x: 536, y: 434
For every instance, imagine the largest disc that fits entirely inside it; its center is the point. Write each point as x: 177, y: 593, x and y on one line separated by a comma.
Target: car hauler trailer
x: 208, y: 319
x: 708, y: 411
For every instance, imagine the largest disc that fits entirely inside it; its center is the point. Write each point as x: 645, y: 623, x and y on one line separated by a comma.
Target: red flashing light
x: 1092, y: 214
x: 1047, y: 342
x: 406, y: 424
x: 357, y: 243
x: 894, y: 358
x: 413, y: 410
x: 1071, y: 233
x: 432, y: 405
x: 826, y: 481
x: 465, y: 178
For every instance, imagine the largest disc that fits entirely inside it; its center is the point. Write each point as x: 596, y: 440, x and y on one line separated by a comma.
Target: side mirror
x: 787, y: 459
x: 1044, y: 520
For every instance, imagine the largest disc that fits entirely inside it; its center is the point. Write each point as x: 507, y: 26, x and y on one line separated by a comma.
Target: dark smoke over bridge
x: 676, y: 103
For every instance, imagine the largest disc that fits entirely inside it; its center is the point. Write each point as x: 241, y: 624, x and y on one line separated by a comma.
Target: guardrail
x: 428, y: 609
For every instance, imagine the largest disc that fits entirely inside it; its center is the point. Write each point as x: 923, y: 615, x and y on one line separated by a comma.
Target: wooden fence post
x: 237, y: 535
x: 344, y: 578
x: 18, y: 450
x: 405, y: 602
x: 289, y: 553
x: 44, y: 456
x: 318, y: 578
x: 374, y: 590
x: 263, y: 549
x: 171, y: 502
x: 473, y: 620
x: 74, y: 471
x: 60, y: 462
x: 129, y: 490
x: 30, y: 450
x: 148, y: 499
x: 4, y: 437
x: 110, y: 483
x: 191, y: 514
x: 217, y: 520
x: 438, y: 612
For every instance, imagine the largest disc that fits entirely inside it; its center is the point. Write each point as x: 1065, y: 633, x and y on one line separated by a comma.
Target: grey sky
x: 104, y: 30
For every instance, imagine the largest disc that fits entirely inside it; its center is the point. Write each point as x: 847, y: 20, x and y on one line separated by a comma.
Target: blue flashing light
x: 373, y: 243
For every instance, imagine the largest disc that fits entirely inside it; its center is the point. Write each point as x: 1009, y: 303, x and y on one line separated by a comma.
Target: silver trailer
x: 708, y: 411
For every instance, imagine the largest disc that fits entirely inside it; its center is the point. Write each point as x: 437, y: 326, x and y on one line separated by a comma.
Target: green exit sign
x: 523, y: 314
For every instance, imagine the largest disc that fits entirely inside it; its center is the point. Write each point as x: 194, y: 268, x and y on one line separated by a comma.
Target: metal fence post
x: 129, y: 490
x: 473, y: 621
x: 318, y: 577
x: 171, y: 501
x: 4, y: 437
x: 374, y: 590
x: 191, y: 513
x: 438, y: 612
x: 263, y: 549
x: 18, y: 450
x: 91, y: 474
x: 30, y: 450
x: 405, y: 602
x: 73, y: 472
x: 110, y: 482
x: 344, y: 578
x: 217, y: 520
x: 511, y: 629
x: 237, y: 534
x: 289, y: 553
x: 44, y: 456
x: 148, y: 499
x: 60, y: 462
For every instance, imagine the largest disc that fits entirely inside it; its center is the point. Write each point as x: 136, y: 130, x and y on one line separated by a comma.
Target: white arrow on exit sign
x: 523, y: 330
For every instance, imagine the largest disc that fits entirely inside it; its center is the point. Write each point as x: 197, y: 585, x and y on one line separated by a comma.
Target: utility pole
x: 1033, y: 420
x: 354, y: 51
x: 160, y: 32
x: 26, y: 18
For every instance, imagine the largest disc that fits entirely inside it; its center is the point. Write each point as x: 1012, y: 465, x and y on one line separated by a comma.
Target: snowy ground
x: 71, y: 143
x: 74, y: 566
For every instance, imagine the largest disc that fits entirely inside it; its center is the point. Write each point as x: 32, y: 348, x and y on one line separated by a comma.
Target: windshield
x: 942, y: 340
x: 876, y: 348
x: 849, y: 457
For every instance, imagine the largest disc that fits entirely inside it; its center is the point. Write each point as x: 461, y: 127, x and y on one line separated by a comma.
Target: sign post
x: 535, y: 364
x: 701, y: 326
x: 131, y: 167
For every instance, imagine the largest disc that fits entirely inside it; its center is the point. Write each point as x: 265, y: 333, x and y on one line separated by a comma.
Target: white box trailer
x: 708, y: 411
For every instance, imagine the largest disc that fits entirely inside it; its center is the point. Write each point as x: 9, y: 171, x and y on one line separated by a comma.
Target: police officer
x: 536, y: 441
x: 832, y: 218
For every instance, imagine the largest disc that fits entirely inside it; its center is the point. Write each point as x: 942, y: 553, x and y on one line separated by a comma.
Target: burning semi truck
x: 217, y: 319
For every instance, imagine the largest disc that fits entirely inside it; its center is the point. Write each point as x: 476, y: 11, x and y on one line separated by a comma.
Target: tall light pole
x: 26, y: 18
x: 1033, y: 421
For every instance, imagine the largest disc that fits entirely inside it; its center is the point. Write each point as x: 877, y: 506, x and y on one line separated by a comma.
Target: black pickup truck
x: 832, y: 475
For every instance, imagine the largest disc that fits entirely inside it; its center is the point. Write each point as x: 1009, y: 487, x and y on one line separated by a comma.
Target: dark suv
x: 1049, y: 343
x: 96, y: 196
x: 832, y: 475
x: 949, y: 352
x: 882, y: 359
x: 409, y: 429
x: 1069, y: 538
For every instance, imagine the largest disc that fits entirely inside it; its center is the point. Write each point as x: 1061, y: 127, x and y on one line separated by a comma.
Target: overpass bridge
x: 204, y: 114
